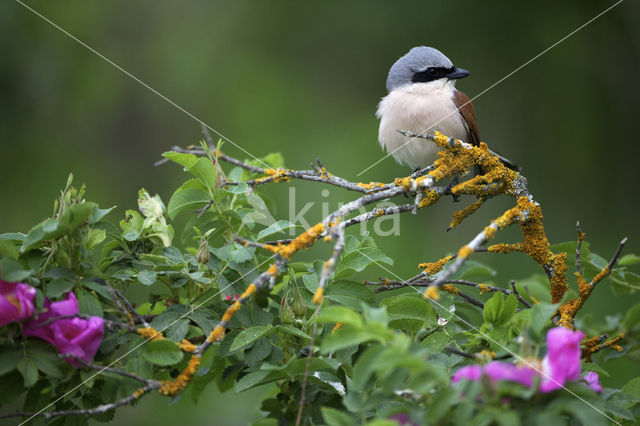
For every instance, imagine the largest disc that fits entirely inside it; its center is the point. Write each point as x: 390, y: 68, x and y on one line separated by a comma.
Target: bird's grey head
x: 422, y: 64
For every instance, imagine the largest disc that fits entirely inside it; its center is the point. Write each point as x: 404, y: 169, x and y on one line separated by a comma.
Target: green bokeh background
x: 304, y: 79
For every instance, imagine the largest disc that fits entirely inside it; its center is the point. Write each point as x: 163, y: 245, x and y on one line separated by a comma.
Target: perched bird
x: 422, y: 97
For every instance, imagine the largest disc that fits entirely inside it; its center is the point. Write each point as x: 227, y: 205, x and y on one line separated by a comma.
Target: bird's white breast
x: 418, y: 107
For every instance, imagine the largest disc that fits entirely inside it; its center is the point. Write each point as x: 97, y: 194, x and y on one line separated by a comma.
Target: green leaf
x: 97, y: 214
x: 187, y: 198
x: 629, y: 259
x: 410, y: 307
x: 632, y: 387
x: 185, y: 160
x: 51, y: 229
x: 335, y: 314
x: 178, y: 330
x: 162, y: 352
x: 632, y: 317
x: 250, y: 335
x: 204, y: 170
x: 334, y: 417
x: 147, y: 277
x: 12, y: 271
x: 349, y: 293
x: 473, y: 271
x: 8, y: 249
x: 29, y: 370
x: 275, y: 228
x: 9, y: 357
x: 96, y: 236
x: 499, y: 310
x: 493, y: 307
x: 359, y: 259
x: 251, y: 380
x: 293, y: 331
x: 58, y: 287
x: 88, y: 304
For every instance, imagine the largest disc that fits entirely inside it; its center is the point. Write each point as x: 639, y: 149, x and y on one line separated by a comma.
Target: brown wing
x: 465, y: 107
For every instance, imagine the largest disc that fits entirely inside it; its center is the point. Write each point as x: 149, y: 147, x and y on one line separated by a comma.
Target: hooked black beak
x: 458, y: 73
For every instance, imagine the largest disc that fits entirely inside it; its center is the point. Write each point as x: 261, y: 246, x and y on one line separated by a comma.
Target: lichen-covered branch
x: 570, y: 308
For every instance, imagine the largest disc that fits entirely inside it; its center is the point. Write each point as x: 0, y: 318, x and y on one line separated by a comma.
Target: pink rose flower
x: 16, y: 301
x: 559, y: 366
x: 496, y: 371
x: 562, y: 362
x: 593, y: 381
x: 65, y: 307
x: 470, y: 372
x: 78, y: 337
x: 74, y: 336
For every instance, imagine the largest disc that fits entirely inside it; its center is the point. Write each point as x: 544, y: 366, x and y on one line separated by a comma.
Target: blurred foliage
x: 304, y: 80
x: 375, y: 355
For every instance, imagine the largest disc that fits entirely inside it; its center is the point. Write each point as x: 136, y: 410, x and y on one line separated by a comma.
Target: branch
x: 87, y: 411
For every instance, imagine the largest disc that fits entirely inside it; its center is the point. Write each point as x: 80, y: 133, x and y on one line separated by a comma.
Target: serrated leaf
x: 349, y: 293
x: 8, y: 249
x: 204, y: 170
x: 147, y: 277
x: 293, y: 331
x: 334, y: 417
x: 186, y: 199
x: 275, y: 228
x: 12, y: 271
x: 410, y: 307
x: 359, y: 259
x: 71, y: 218
x: 162, y: 352
x: 9, y: 357
x: 250, y: 335
x: 98, y: 214
x: 251, y: 380
x: 29, y: 370
x: 185, y: 160
x: 341, y: 314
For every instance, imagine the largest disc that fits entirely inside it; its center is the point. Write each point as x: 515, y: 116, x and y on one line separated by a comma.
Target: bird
x: 421, y: 97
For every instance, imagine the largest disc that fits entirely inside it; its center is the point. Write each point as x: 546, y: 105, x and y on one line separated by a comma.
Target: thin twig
x: 520, y: 298
x: 579, y: 248
x: 87, y: 411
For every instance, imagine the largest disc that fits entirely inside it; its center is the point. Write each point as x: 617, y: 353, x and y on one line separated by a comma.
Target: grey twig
x: 87, y: 411
x: 578, y: 248
x: 520, y: 298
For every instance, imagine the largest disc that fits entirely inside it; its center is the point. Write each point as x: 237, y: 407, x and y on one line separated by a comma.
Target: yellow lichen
x: 378, y: 212
x: 462, y: 214
x: 216, y: 334
x: 503, y: 248
x: 432, y: 293
x: 450, y: 289
x: 593, y: 345
x: 465, y: 252
x: 601, y: 275
x: 430, y: 198
x: 371, y: 185
x: 303, y: 240
x: 337, y: 326
x: 435, y: 267
x: 175, y: 386
x: 277, y: 175
x: 483, y: 288
x: 138, y: 393
x: 187, y: 346
x: 150, y: 333
x: 273, y: 270
x: 318, y: 297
